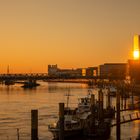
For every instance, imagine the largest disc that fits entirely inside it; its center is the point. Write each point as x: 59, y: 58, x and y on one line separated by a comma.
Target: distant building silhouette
x: 92, y: 71
x: 54, y: 71
x: 134, y: 70
x: 113, y: 70
x: 107, y: 70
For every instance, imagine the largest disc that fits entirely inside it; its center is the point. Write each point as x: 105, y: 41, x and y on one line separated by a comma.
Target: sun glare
x: 136, y: 54
x: 136, y: 47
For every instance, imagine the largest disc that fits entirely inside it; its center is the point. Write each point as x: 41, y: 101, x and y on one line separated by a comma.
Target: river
x: 16, y: 104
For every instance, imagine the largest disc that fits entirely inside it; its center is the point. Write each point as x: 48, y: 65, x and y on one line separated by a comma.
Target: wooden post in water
x: 108, y: 99
x: 92, y: 103
x: 132, y: 94
x: 100, y: 104
x: 125, y: 100
x: 93, y: 109
x: 17, y: 133
x: 118, y: 116
x: 122, y: 106
x: 34, y: 124
x: 102, y: 101
x: 61, y: 121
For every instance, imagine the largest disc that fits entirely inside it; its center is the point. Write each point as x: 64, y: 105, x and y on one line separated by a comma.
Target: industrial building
x: 134, y: 64
x: 134, y: 70
x: 113, y: 70
x: 54, y: 71
x: 92, y: 71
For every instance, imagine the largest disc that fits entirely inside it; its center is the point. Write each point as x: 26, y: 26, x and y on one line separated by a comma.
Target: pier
x: 128, y: 118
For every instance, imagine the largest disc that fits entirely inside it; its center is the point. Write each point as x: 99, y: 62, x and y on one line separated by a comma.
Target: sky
x: 70, y: 33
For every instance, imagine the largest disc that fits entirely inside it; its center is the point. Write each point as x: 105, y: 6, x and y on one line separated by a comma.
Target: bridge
x: 43, y: 76
x: 128, y: 118
x: 26, y: 76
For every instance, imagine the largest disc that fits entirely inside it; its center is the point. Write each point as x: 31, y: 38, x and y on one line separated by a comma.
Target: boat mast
x: 8, y: 69
x: 68, y: 95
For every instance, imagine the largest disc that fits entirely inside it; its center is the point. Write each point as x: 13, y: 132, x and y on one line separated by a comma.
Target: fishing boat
x: 78, y: 122
x: 9, y: 82
x: 84, y: 104
x: 30, y: 84
x: 135, y: 105
x: 72, y: 126
x: 101, y: 130
x: 90, y: 83
x: 73, y: 118
x: 112, y: 91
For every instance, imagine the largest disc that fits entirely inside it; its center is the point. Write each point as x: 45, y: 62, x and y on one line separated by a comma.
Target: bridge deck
x: 128, y: 118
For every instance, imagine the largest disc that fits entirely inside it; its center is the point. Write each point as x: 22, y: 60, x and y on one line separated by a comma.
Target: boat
x: 101, y: 130
x: 84, y: 103
x: 78, y: 122
x: 135, y: 105
x: 72, y: 125
x: 112, y: 91
x: 73, y: 119
x: 9, y: 82
x: 90, y: 83
x: 84, y: 107
x: 30, y: 84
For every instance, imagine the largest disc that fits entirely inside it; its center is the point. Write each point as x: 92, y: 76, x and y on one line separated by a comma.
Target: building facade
x: 134, y: 70
x: 113, y: 70
x: 54, y: 71
x: 91, y: 71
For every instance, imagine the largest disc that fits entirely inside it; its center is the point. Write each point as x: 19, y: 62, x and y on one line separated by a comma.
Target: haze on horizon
x: 70, y: 33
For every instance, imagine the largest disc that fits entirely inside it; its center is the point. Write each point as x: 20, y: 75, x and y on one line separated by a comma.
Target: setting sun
x: 136, y: 54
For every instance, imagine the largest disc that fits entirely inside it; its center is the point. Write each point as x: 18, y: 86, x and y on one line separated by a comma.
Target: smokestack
x: 136, y: 47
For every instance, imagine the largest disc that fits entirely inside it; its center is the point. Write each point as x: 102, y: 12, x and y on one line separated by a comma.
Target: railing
x: 128, y: 118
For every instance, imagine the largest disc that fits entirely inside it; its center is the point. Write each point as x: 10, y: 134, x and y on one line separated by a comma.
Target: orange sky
x: 70, y: 33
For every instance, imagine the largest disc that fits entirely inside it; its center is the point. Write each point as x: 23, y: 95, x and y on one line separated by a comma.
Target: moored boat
x: 9, y: 82
x: 72, y: 125
x: 135, y: 105
x: 73, y: 119
x: 30, y: 84
x: 80, y: 122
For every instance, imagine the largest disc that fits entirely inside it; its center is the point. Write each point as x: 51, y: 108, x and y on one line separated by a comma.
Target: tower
x: 136, y: 47
x: 8, y: 71
x: 134, y: 64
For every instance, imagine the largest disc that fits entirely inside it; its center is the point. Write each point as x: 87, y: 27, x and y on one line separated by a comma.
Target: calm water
x: 16, y: 104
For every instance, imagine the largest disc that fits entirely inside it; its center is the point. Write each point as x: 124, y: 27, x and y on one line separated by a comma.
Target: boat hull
x: 67, y: 133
